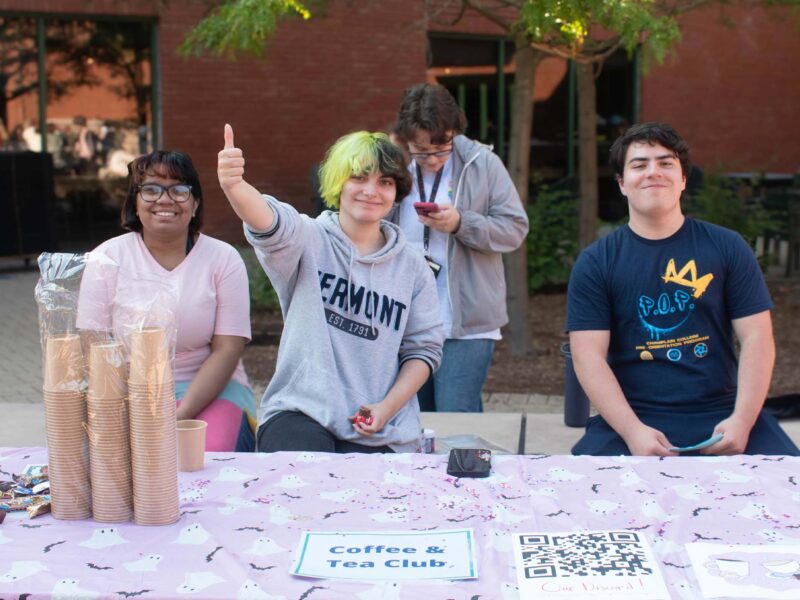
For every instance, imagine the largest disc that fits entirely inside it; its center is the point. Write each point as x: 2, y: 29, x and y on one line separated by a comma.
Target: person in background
x: 652, y: 310
x: 478, y: 217
x: 359, y: 337
x: 163, y: 211
x: 85, y: 148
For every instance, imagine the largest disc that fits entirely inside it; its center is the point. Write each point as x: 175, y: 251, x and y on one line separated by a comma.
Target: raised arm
x: 589, y: 350
x: 245, y: 200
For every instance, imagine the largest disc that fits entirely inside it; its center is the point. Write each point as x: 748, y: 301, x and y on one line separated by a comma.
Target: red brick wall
x: 322, y: 78
x: 734, y: 92
x: 343, y: 70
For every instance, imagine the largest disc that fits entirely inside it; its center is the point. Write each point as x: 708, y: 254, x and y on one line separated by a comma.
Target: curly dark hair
x: 649, y: 133
x: 165, y: 163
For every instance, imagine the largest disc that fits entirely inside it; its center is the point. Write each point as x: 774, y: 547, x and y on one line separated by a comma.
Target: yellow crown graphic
x: 698, y: 285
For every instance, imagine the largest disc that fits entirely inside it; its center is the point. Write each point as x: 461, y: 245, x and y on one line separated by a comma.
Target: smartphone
x: 426, y: 208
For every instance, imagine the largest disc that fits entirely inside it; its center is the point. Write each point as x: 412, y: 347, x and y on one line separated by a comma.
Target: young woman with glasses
x: 164, y: 212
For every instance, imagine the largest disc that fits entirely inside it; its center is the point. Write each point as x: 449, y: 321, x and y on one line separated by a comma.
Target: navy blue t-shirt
x: 668, y: 305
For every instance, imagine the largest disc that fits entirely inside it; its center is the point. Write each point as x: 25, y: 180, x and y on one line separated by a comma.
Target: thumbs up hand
x: 230, y: 163
x: 245, y: 200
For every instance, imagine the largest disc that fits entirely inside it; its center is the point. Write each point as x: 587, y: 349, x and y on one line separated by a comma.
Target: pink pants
x: 224, y: 419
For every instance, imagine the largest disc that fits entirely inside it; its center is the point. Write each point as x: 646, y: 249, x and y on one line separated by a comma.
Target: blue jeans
x: 457, y: 385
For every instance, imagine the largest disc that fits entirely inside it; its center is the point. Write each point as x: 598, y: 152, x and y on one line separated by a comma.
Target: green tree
x: 235, y: 27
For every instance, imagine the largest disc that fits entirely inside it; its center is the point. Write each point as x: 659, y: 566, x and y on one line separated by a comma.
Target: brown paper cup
x: 191, y: 444
x: 107, y: 370
x: 63, y: 363
x: 150, y: 356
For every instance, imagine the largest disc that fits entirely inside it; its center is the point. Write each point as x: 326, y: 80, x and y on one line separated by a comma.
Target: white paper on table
x: 731, y: 571
x: 387, y: 555
x: 561, y: 565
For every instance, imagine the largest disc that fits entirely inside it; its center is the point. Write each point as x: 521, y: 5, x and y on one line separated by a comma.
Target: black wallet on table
x: 469, y: 462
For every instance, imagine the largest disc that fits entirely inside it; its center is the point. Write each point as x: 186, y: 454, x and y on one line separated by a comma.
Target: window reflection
x: 98, y: 114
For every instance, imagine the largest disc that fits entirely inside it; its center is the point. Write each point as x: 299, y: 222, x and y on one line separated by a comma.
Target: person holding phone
x: 359, y: 338
x: 462, y: 213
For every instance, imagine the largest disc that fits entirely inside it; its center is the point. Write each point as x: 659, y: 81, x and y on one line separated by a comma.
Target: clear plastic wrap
x: 109, y: 343
x: 64, y: 385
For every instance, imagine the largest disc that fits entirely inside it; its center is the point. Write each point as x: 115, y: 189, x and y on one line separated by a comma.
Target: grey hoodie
x: 493, y: 221
x: 339, y: 350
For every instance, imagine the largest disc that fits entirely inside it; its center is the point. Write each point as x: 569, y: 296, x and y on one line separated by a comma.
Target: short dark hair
x: 165, y: 163
x: 429, y: 108
x: 649, y: 133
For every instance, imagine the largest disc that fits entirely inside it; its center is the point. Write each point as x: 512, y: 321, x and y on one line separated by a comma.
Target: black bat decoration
x: 504, y: 497
x: 132, y: 594
x: 334, y: 476
x: 768, y: 459
x: 210, y: 555
x: 290, y: 496
x: 191, y: 512
x: 98, y: 567
x: 792, y: 480
x: 224, y: 459
x: 422, y: 468
x: 310, y: 591
x: 250, y: 529
x: 698, y: 510
x: 745, y: 495
x: 257, y: 568
x: 637, y: 528
x: 669, y: 564
x: 25, y: 596
x: 697, y: 536
x: 555, y: 514
x: 461, y: 520
x: 670, y: 476
x: 27, y: 526
x: 247, y: 483
x: 53, y: 545
x: 394, y: 497
x: 330, y: 514
x: 614, y: 468
x: 538, y: 457
x: 595, y: 487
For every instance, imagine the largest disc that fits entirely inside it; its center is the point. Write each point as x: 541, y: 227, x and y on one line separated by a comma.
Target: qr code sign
x: 608, y: 553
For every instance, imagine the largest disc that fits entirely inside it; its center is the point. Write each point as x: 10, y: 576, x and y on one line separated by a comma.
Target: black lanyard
x: 426, y: 234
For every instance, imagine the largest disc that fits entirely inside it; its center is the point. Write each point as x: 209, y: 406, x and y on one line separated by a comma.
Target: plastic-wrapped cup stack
x: 65, y: 423
x: 154, y: 452
x: 110, y: 456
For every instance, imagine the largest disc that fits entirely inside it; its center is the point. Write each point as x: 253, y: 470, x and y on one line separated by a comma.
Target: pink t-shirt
x: 212, y: 287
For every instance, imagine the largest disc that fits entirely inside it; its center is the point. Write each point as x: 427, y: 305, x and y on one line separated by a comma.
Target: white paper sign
x: 763, y: 571
x: 387, y: 556
x: 587, y: 565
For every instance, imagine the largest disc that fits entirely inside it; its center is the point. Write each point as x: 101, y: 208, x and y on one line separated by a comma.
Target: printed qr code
x: 609, y: 553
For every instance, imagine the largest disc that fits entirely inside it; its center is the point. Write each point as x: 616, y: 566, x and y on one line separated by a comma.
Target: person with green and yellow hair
x: 361, y: 329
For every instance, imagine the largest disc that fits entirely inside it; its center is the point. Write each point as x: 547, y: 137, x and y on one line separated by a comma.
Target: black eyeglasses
x: 437, y: 154
x: 179, y: 192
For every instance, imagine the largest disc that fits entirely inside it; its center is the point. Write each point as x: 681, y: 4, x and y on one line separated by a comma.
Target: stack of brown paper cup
x: 110, y: 455
x: 154, y: 453
x: 65, y: 422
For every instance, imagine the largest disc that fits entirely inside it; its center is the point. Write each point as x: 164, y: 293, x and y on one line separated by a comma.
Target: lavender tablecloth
x: 242, y: 516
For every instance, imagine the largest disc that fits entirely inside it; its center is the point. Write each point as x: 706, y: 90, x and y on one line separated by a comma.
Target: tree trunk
x: 527, y: 59
x: 587, y: 153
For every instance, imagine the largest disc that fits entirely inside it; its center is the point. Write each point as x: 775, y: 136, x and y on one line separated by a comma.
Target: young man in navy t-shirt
x: 652, y: 310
